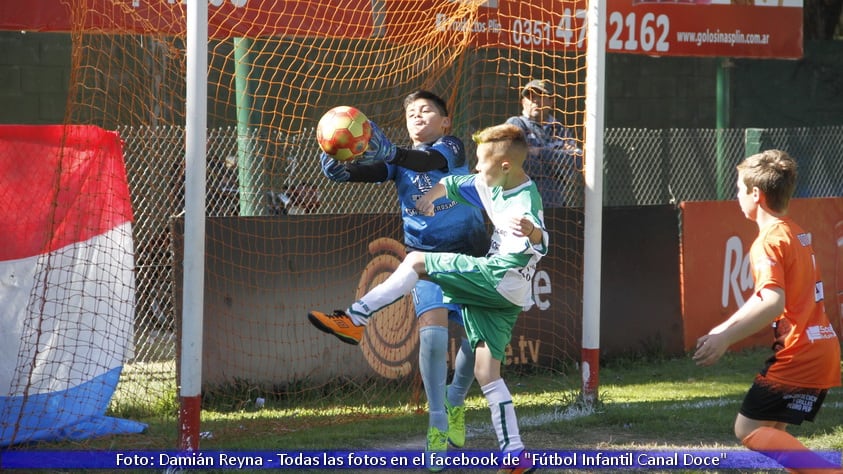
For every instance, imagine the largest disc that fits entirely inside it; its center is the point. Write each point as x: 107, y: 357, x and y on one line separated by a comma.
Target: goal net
x: 281, y: 238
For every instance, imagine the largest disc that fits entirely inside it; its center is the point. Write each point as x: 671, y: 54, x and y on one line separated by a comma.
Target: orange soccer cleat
x: 339, y: 324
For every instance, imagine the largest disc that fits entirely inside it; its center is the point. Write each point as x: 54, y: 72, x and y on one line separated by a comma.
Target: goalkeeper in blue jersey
x: 493, y: 290
x: 455, y: 228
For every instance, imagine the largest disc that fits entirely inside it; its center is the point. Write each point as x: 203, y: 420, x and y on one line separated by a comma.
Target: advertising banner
x: 226, y: 18
x: 716, y: 278
x: 741, y: 28
x: 728, y: 28
x: 258, y: 289
x: 745, y: 28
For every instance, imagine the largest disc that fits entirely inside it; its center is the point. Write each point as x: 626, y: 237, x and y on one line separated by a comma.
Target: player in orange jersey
x: 788, y: 294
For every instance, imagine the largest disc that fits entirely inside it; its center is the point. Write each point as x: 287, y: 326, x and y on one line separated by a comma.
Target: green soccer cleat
x: 456, y: 423
x: 437, y: 442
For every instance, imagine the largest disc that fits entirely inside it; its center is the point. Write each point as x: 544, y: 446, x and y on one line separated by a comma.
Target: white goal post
x: 593, y: 232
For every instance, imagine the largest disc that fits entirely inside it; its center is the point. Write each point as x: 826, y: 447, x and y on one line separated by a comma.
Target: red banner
x: 696, y: 28
x: 745, y: 28
x: 763, y: 29
x: 226, y: 18
x: 65, y: 184
x: 716, y: 278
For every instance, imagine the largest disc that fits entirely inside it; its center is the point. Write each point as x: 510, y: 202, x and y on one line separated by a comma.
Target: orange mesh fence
x: 281, y: 238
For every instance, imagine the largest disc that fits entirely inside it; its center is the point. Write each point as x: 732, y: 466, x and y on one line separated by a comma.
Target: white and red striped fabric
x: 67, y: 292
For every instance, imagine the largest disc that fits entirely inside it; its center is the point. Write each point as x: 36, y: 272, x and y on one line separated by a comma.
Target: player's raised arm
x: 380, y: 148
x: 425, y: 203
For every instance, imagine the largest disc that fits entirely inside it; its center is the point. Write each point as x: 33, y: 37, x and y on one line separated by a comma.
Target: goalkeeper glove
x: 380, y: 148
x: 333, y: 169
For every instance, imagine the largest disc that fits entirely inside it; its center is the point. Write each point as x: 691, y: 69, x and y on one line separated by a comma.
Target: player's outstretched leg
x: 788, y: 451
x: 339, y: 324
x: 349, y: 328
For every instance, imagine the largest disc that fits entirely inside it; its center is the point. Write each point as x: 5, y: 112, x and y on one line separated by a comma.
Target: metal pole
x: 249, y: 169
x: 722, y: 123
x: 190, y: 393
x: 592, y: 257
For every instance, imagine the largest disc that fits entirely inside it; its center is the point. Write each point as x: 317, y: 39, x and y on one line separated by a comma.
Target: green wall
x: 641, y: 91
x: 34, y: 74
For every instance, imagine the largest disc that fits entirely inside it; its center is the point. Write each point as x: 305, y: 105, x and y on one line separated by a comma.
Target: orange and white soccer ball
x: 344, y: 132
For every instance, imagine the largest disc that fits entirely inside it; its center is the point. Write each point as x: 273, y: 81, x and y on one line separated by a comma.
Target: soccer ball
x: 344, y: 132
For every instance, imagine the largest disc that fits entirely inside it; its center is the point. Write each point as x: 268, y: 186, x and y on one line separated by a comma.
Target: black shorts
x: 783, y: 403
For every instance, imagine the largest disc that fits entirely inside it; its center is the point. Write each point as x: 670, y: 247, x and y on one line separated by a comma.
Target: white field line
x: 573, y: 413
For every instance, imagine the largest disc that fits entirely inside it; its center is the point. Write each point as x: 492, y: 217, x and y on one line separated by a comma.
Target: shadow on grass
x: 643, y: 404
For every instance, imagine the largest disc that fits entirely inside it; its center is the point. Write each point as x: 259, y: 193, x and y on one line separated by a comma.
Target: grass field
x: 660, y: 404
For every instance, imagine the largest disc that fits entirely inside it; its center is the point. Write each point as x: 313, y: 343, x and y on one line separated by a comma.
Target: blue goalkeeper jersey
x: 455, y: 227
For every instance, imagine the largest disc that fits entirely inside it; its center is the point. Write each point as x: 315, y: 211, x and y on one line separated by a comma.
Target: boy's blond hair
x: 507, y: 142
x: 773, y: 172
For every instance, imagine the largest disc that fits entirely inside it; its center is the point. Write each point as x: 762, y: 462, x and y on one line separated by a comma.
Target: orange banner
x: 715, y: 273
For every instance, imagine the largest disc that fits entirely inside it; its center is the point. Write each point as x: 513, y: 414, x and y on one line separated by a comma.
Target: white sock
x: 402, y: 280
x: 503, y: 416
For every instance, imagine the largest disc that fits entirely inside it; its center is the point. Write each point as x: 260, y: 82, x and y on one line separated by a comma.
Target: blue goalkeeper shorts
x: 428, y: 295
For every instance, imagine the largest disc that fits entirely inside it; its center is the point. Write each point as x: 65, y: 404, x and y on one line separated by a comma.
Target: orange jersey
x: 807, y: 350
